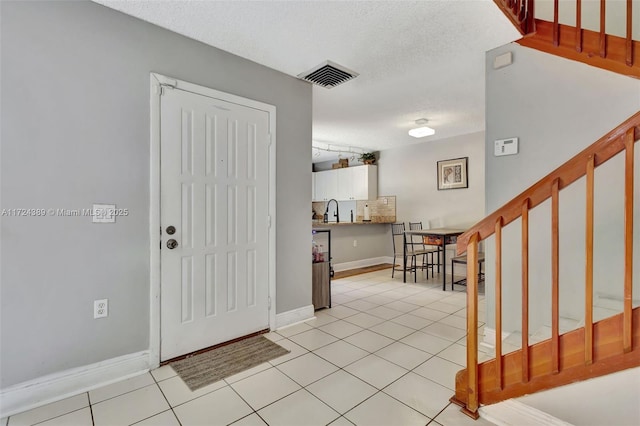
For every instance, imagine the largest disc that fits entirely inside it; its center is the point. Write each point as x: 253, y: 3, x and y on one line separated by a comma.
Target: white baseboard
x: 512, y: 412
x: 294, y: 316
x: 57, y: 386
x: 362, y: 263
x: 490, y: 337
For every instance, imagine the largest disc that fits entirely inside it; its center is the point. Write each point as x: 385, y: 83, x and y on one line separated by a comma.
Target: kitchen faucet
x: 336, y: 214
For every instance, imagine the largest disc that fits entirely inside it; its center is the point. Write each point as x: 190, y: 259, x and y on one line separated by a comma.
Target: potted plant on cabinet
x: 367, y: 158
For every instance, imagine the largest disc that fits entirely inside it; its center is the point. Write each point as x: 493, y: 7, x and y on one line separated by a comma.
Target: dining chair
x: 397, y: 234
x: 462, y: 260
x: 429, y: 251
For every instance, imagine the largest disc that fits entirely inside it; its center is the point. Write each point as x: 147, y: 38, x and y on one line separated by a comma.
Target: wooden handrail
x: 622, y: 138
x: 602, y: 150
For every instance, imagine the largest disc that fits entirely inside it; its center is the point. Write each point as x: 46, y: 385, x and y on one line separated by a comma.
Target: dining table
x: 439, y: 237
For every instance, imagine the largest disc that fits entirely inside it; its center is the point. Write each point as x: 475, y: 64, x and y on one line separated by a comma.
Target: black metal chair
x: 462, y: 260
x: 397, y: 232
x: 428, y: 252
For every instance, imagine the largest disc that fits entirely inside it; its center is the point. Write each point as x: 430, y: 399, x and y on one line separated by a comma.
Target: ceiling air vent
x: 328, y: 75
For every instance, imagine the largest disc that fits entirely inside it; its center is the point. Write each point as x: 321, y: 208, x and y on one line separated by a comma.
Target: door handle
x: 171, y: 244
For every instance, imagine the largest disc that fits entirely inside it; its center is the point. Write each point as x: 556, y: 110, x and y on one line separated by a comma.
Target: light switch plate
x: 505, y: 147
x: 502, y: 61
x: 104, y: 213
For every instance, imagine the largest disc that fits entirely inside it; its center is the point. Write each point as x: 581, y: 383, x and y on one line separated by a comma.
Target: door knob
x: 171, y: 244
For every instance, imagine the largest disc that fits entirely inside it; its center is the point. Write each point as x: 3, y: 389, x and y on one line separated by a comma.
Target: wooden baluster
x: 603, y: 35
x: 629, y: 43
x: 579, y: 25
x: 588, y: 292
x: 556, y: 24
x: 627, y: 327
x: 472, y: 327
x: 499, y: 379
x: 525, y: 291
x: 555, y: 277
x: 515, y: 7
x: 530, y: 23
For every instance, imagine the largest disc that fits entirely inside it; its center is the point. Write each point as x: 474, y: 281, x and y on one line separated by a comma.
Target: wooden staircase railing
x: 609, y: 345
x: 520, y: 12
x: 597, y: 48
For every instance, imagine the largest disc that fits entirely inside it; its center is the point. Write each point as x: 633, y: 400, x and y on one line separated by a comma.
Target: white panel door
x: 214, y: 192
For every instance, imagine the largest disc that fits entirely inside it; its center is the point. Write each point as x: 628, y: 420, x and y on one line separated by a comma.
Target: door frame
x: 156, y: 83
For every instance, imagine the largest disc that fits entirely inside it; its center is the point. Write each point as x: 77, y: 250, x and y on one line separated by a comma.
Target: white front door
x: 214, y: 183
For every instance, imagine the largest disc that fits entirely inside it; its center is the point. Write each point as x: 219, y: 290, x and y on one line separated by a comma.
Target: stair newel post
x: 555, y: 276
x: 525, y: 291
x: 471, y: 408
x: 588, y: 293
x: 627, y: 327
x: 498, y: 338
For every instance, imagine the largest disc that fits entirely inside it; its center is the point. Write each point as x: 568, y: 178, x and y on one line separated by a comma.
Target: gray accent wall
x: 75, y: 131
x: 556, y: 107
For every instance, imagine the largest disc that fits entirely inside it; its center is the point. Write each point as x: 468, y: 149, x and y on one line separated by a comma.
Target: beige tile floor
x: 386, y: 354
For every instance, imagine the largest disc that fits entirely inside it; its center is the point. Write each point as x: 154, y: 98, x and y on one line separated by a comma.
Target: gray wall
x: 557, y: 108
x: 410, y: 173
x: 75, y: 130
x: 372, y: 241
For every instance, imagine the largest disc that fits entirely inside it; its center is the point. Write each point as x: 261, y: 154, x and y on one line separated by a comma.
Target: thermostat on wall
x: 505, y: 147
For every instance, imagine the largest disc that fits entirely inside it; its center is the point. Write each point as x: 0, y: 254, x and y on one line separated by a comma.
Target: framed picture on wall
x: 452, y: 174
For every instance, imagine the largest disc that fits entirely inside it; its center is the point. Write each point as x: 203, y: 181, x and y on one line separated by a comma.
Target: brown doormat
x: 203, y: 369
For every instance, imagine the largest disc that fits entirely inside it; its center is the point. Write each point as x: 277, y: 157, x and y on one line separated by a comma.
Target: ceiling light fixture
x: 422, y: 131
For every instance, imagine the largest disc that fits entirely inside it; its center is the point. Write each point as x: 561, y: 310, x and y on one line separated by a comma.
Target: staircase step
x: 515, y: 413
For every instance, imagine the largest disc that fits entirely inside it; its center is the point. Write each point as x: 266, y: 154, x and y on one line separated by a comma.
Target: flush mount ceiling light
x: 422, y: 131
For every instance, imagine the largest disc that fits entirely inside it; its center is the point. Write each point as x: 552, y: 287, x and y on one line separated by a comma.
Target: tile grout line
x: 157, y: 383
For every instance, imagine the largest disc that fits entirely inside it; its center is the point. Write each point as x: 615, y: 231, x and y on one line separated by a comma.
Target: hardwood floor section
x: 358, y: 271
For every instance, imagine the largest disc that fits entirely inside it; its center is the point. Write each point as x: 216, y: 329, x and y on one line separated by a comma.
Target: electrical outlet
x: 100, y: 308
x: 355, y: 243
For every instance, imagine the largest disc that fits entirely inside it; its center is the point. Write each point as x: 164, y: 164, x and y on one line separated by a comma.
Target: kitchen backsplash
x: 381, y: 210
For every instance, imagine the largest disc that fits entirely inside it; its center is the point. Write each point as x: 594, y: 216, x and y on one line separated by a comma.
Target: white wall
x: 410, y: 174
x: 557, y: 108
x: 75, y: 130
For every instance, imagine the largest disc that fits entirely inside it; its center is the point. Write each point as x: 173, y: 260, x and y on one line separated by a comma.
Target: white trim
x: 294, y: 316
x: 64, y: 384
x: 345, y: 266
x: 154, y: 224
x: 157, y: 80
x: 512, y: 412
x: 490, y: 337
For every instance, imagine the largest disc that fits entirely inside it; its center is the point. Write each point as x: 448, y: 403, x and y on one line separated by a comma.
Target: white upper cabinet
x: 326, y: 186
x: 349, y: 183
x: 365, y: 182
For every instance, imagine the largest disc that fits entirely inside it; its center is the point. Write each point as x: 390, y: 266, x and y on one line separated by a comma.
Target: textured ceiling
x: 416, y: 59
